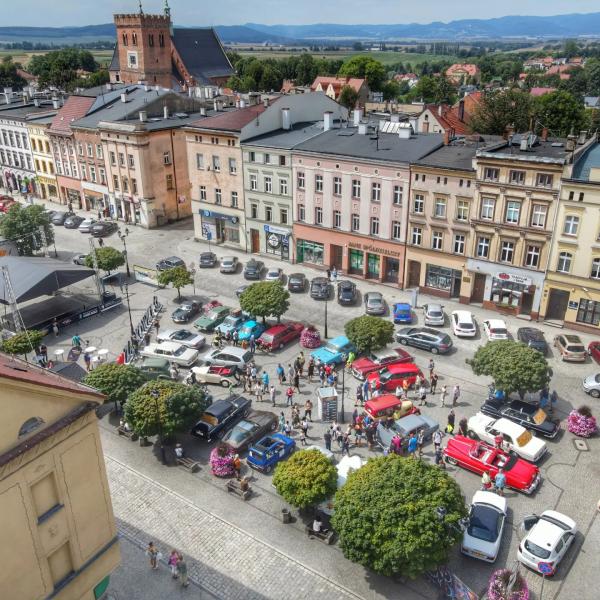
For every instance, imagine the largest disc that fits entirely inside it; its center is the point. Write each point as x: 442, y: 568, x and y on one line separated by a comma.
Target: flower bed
x: 581, y: 422
x: 497, y: 588
x: 221, y: 461
x: 310, y: 337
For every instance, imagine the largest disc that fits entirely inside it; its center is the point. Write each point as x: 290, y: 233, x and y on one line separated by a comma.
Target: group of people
x: 232, y: 337
x: 176, y: 562
x: 498, y: 483
x: 297, y: 422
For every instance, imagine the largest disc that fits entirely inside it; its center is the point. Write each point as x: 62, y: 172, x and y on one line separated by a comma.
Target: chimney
x: 582, y: 137
x: 404, y: 133
x: 143, y: 116
x: 216, y: 105
x: 440, y: 110
x: 266, y: 103
x: 509, y: 132
x: 523, y: 145
x: 123, y: 97
x: 36, y: 101
x: 571, y: 141
x: 544, y: 134
x: 461, y: 110
x: 395, y: 118
x: 25, y: 98
x: 165, y: 112
x: 55, y: 103
x: 109, y: 87
x: 357, y: 116
x: 446, y: 137
x: 286, y: 120
x: 202, y: 111
x: 242, y: 103
x: 362, y: 129
x: 414, y: 123
x: 327, y: 120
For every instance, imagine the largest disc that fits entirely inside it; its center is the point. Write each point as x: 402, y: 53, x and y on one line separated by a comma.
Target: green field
x: 23, y: 57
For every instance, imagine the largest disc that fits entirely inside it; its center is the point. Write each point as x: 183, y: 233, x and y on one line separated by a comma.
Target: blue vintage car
x: 268, y: 451
x: 334, y: 352
x: 231, y: 323
x: 249, y: 329
x: 402, y: 312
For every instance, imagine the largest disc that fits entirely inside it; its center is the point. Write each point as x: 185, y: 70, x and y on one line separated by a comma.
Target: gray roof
x: 553, y: 150
x: 458, y: 155
x: 590, y: 160
x: 114, y: 61
x: 20, y: 111
x: 389, y: 147
x: 287, y: 139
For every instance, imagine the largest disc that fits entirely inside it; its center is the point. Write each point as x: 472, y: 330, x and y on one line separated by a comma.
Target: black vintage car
x: 346, y: 293
x: 220, y: 416
x: 320, y: 288
x: 258, y: 424
x: 534, y: 338
x: 185, y: 312
x: 525, y: 414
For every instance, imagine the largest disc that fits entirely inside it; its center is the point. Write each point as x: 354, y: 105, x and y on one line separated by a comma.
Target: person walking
x: 280, y: 374
x: 156, y: 325
x: 327, y: 438
x: 76, y: 341
x: 304, y: 427
x: 87, y: 359
x: 431, y: 367
x: 287, y: 429
x: 310, y: 370
x: 439, y: 458
x: 455, y: 394
x: 486, y: 481
x: 345, y: 444
x: 183, y: 571
x: 301, y: 362
x: 462, y: 427
x: 422, y: 395
x: 272, y: 393
x: 359, y: 395
x: 350, y: 360
x: 405, y: 386
x: 252, y: 344
x: 235, y: 337
x: 258, y: 391
x: 418, y: 381
x: 365, y: 390
x: 265, y: 381
x: 55, y: 327
x: 450, y: 422
x: 500, y: 482
x: 289, y: 393
x: 334, y: 273
x: 443, y: 395
x: 328, y: 274
x: 290, y: 373
x: 399, y: 392
x: 420, y: 441
x: 437, y: 439
x: 152, y: 554
x: 412, y: 445
x: 237, y: 465
x: 322, y: 375
x: 433, y: 379
x: 297, y: 380
x: 281, y: 422
x: 308, y: 406
x: 173, y: 560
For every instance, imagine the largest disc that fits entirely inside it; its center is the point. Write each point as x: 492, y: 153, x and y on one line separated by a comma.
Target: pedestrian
x: 253, y: 372
x: 304, y: 427
x: 433, y: 382
x: 437, y: 439
x: 500, y: 482
x: 152, y: 553
x: 498, y: 440
x: 289, y: 395
x: 76, y: 341
x: 350, y: 360
x: 237, y: 465
x: 455, y: 394
x: 396, y: 444
x: 87, y: 359
x: 303, y: 437
x: 173, y: 560
x: 370, y: 435
x: 280, y: 374
x: 290, y: 373
x: 265, y: 381
x: 345, y: 444
x: 450, y: 423
x: 405, y: 387
x: 287, y: 429
x: 358, y: 433
x: 308, y: 406
x: 359, y: 395
x: 365, y: 390
x: 422, y: 395
x: 327, y: 438
x: 420, y: 441
x: 301, y: 362
x: 339, y: 437
x: 354, y: 416
x: 252, y: 344
x: 281, y: 422
x: 412, y: 444
x: 297, y: 380
x: 399, y: 392
x: 334, y: 273
x: 322, y: 375
x: 486, y: 481
x: 431, y: 367
x: 156, y: 325
x: 310, y: 369
x: 272, y: 394
x: 462, y: 427
x: 55, y: 327
x: 99, y: 216
x: 258, y: 392
x: 235, y: 337
x: 101, y: 243
x: 418, y: 381
x: 44, y: 353
x: 328, y: 274
x: 553, y: 400
x: 439, y: 458
x: 443, y: 395
x: 173, y: 372
x: 183, y: 571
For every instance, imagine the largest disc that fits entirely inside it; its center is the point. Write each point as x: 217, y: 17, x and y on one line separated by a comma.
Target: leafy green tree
x: 21, y: 224
x: 115, y: 381
x: 502, y: 108
x: 177, y: 276
x: 9, y: 76
x: 305, y: 479
x: 175, y: 409
x: 265, y: 299
x: 348, y: 97
x: 108, y: 259
x: 392, y: 89
x: 59, y: 67
x: 513, y: 366
x: 592, y: 69
x: 560, y: 112
x: 386, y: 516
x: 365, y: 67
x: 369, y: 333
x: 23, y: 342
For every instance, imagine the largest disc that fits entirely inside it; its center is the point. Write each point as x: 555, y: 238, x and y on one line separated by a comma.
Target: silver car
x: 229, y: 264
x: 591, y: 385
x: 374, y: 303
x: 230, y: 356
x: 434, y: 314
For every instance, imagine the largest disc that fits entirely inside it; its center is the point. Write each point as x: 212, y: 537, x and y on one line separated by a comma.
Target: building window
x: 251, y: 156
x: 166, y: 158
x: 93, y: 173
x: 487, y: 208
x: 517, y: 177
x: 416, y: 236
x: 462, y: 210
x: 134, y: 188
x: 125, y: 40
x: 131, y: 160
x: 337, y: 186
x: 538, y: 215
x: 571, y: 195
x: 581, y: 195
x: 544, y: 180
x: 490, y: 174
x: 440, y: 208
x: 102, y: 176
x: 218, y: 196
x: 459, y: 243
x: 396, y: 230
x: 254, y: 211
x: 311, y: 252
x: 116, y: 182
x: 268, y: 214
x: 232, y: 166
x: 216, y: 163
x: 589, y: 312
x: 398, y: 195
x: 532, y: 256
x: 283, y: 216
x: 268, y: 185
x: 200, y: 161
x: 283, y: 187
x: 202, y: 192
x: 161, y: 40
x: 564, y: 262
x: 355, y: 225
x: 234, y: 199
x: 79, y: 147
x: 169, y: 180
x: 419, y: 204
x: 267, y: 159
x: 300, y: 181
x: 214, y: 140
x: 253, y: 181
x: 132, y: 59
x: 337, y: 219
x: 150, y: 39
x: 113, y: 159
x: 483, y: 247
x: 507, y: 252
x: 513, y: 210
x: 437, y: 240
x: 318, y: 215
x: 318, y: 183
x: 441, y: 278
x: 376, y: 192
x: 83, y: 174
x: 356, y: 188
x: 301, y: 213
x: 374, y: 226
x: 282, y: 160
x: 90, y: 150
x: 595, y: 274
x: 125, y: 184
x: 571, y: 225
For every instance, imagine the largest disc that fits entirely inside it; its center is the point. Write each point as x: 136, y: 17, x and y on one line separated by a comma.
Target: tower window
x: 150, y: 39
x: 161, y: 40
x: 125, y: 39
x: 134, y: 39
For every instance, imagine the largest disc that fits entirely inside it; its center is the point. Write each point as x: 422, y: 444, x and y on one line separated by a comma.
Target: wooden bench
x: 128, y: 433
x: 325, y: 537
x: 241, y: 488
x: 187, y: 463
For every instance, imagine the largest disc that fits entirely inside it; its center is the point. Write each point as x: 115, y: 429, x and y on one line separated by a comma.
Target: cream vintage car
x: 224, y: 376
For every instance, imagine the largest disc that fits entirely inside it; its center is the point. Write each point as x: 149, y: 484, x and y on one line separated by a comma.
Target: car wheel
x: 224, y: 383
x: 403, y: 341
x: 281, y: 346
x: 434, y: 350
x: 273, y: 426
x: 219, y: 435
x: 268, y: 469
x: 472, y: 434
x: 595, y: 393
x: 451, y: 461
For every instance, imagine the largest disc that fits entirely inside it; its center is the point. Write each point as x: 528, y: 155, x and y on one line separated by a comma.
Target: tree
x: 178, y: 276
x: 365, y: 67
x: 348, y: 97
x: 9, y: 76
x: 108, y: 259
x: 21, y: 224
x: 306, y: 478
x: 560, y: 112
x: 176, y: 407
x: 387, y: 519
x: 59, y: 67
x: 23, y: 342
x: 115, y: 381
x: 265, y: 299
x: 502, y: 108
x: 513, y: 366
x: 369, y: 333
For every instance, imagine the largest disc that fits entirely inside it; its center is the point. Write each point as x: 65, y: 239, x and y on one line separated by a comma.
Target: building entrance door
x: 392, y: 270
x: 557, y: 304
x: 478, y: 288
x: 414, y: 274
x: 254, y: 241
x: 336, y: 256
x: 526, y: 303
x: 373, y: 266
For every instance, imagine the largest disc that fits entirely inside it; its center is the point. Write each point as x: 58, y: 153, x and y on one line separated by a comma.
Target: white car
x: 347, y: 465
x: 433, y: 314
x: 224, y: 376
x: 548, y: 538
x: 483, y: 535
x: 191, y: 339
x: 495, y: 329
x: 274, y: 274
x: 173, y: 352
x: 86, y: 225
x: 463, y: 324
x: 230, y: 356
x: 515, y: 438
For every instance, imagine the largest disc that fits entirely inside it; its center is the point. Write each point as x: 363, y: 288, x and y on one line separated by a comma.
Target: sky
x: 237, y: 12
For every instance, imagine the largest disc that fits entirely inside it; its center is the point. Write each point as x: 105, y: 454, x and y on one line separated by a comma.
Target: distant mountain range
x: 560, y: 26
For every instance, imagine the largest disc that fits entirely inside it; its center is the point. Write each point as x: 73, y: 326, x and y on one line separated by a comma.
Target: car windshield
x: 267, y: 337
x: 435, y: 313
x: 186, y: 307
x: 384, y: 376
x: 466, y: 325
x: 536, y: 550
x: 484, y: 524
x: 182, y: 335
x: 212, y: 315
x: 498, y: 330
x: 227, y: 262
x: 231, y: 321
x: 247, y: 357
x: 248, y: 330
x: 402, y: 311
x: 575, y: 348
x: 180, y: 351
x: 524, y: 438
x: 331, y: 348
x: 597, y: 378
x: 241, y: 431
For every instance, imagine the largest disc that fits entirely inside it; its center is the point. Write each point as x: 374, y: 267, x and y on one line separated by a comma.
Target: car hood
x: 521, y: 472
x: 590, y: 381
x: 363, y: 363
x: 204, y: 321
x: 323, y: 354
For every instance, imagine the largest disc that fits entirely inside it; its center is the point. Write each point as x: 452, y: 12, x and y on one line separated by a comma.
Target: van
x: 389, y: 407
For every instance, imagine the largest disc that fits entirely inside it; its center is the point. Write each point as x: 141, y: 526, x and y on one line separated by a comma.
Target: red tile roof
x: 232, y: 120
x: 470, y: 69
x: 338, y: 83
x: 540, y: 91
x: 75, y: 107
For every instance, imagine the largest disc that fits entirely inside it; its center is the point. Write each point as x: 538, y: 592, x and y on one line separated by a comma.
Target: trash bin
x: 286, y: 517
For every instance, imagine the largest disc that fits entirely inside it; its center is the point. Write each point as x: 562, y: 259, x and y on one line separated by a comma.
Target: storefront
x: 220, y: 228
x: 443, y: 281
x: 310, y: 252
x: 277, y: 241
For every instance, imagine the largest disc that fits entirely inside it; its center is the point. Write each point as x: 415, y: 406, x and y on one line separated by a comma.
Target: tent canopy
x: 32, y: 277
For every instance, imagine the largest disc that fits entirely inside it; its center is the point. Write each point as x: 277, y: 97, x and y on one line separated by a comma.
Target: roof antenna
x: 141, y: 9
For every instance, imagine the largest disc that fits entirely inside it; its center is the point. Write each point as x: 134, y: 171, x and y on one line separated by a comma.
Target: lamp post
x: 129, y: 310
x: 342, y: 418
x: 192, y: 272
x: 155, y: 395
x: 123, y: 236
x: 326, y: 301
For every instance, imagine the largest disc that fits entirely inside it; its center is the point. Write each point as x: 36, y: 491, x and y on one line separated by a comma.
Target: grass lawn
x: 24, y: 56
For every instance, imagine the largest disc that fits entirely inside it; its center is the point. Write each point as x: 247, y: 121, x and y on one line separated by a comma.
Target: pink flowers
x: 581, y: 422
x: 310, y: 337
x: 499, y: 582
x: 221, y: 461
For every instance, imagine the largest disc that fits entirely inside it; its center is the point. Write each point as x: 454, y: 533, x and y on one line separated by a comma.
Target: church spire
x: 141, y: 9
x: 167, y: 9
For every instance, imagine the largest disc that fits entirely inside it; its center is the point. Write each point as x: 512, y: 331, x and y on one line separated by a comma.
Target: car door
x: 286, y: 335
x: 516, y: 416
x: 416, y: 340
x: 567, y: 540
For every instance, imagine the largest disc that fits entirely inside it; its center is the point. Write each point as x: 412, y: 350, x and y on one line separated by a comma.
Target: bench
x: 326, y: 537
x: 187, y: 463
x: 241, y: 488
x: 128, y: 433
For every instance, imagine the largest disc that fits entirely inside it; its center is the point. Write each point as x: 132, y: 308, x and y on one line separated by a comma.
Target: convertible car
x: 225, y: 376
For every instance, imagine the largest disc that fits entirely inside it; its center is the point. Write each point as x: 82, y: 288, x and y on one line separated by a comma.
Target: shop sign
x: 215, y: 215
x: 512, y: 277
x: 278, y: 230
x: 374, y: 249
x: 274, y: 240
x: 573, y: 305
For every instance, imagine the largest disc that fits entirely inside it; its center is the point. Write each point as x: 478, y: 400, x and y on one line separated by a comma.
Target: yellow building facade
x: 43, y: 160
x: 56, y: 519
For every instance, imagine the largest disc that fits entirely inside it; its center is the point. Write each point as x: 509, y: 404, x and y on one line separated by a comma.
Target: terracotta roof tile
x: 233, y: 120
x: 75, y: 107
x: 338, y: 83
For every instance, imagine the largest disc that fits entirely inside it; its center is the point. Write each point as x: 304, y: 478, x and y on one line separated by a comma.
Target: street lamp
x: 326, y: 301
x: 129, y: 310
x: 192, y: 272
x: 123, y: 236
x: 155, y: 395
x: 342, y: 418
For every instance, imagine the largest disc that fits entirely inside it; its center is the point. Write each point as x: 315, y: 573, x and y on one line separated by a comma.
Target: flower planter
x: 499, y: 584
x: 310, y: 337
x: 221, y: 461
x: 581, y: 422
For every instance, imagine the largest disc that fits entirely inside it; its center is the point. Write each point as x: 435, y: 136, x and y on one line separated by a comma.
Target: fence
x: 143, y: 328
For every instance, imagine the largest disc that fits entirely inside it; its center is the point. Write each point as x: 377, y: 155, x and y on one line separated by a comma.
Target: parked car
x: 210, y: 320
x: 6, y: 203
x: 207, y: 260
x: 184, y: 312
x: 228, y: 356
x: 547, y: 540
x: 232, y: 322
x: 433, y: 314
x: 402, y: 312
x: 267, y: 452
x: 483, y: 535
x: 374, y: 303
x: 219, y: 375
x: 320, y: 288
x: 103, y: 229
x: 393, y: 376
x: 256, y: 425
x: 591, y: 385
x: 463, y: 324
x: 479, y: 457
x: 73, y: 222
x: 240, y: 290
x: 253, y: 269
x: 219, y: 416
x: 437, y: 342
x: 405, y: 427
x: 191, y: 339
x: 173, y: 351
x: 79, y: 259
x: 334, y: 352
x: 250, y: 328
x: 594, y: 351
x: 274, y: 274
x: 229, y: 264
x: 361, y: 367
x: 524, y: 413
x: 155, y: 368
x: 534, y: 338
x: 346, y: 293
x: 59, y: 217
x: 571, y: 348
x: 388, y: 406
x: 515, y: 437
x: 279, y: 335
x: 86, y: 225
x: 495, y: 329
x: 169, y: 263
x: 296, y: 282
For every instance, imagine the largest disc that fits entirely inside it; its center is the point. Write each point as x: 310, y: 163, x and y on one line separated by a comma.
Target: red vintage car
x: 361, y: 367
x: 478, y: 457
x: 6, y: 202
x: 206, y: 308
x: 594, y: 351
x: 393, y: 375
x: 279, y: 335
